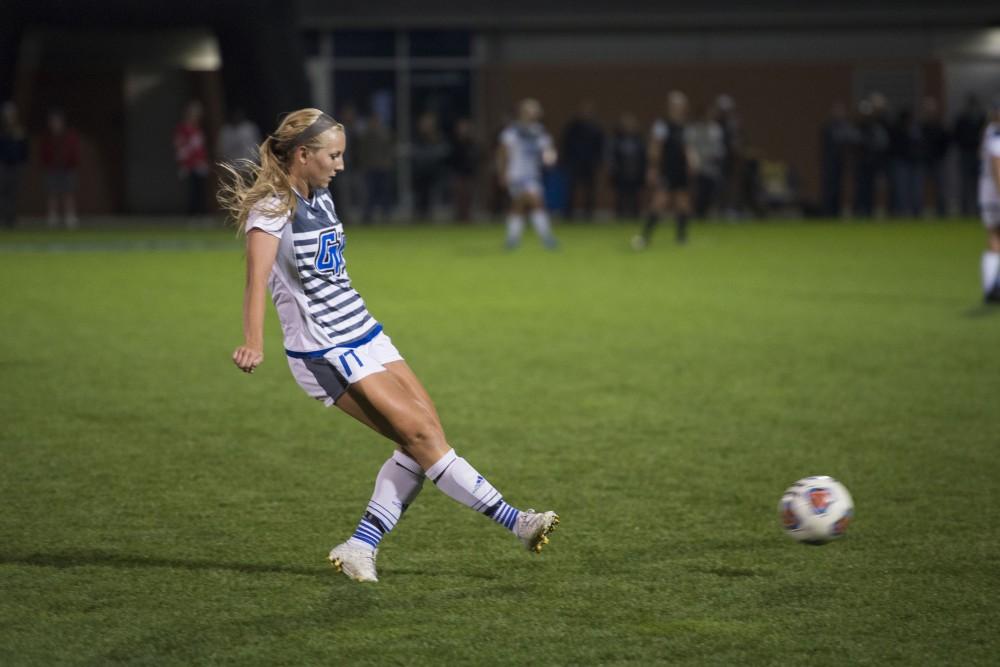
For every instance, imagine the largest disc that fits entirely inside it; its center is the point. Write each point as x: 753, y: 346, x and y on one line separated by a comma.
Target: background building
x: 124, y: 70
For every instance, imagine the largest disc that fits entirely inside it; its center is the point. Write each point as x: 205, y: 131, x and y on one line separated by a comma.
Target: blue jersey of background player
x: 337, y: 352
x: 525, y: 150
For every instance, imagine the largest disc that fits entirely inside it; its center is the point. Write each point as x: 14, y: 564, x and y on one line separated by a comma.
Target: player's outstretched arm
x: 262, y: 248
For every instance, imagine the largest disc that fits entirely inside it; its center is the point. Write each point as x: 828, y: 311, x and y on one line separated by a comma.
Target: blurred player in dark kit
x: 667, y: 172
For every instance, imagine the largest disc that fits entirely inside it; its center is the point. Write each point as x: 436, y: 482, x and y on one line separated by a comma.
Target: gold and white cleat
x: 534, y: 527
x: 356, y: 562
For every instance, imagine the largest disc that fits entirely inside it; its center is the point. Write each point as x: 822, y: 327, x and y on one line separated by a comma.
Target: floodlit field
x: 160, y: 507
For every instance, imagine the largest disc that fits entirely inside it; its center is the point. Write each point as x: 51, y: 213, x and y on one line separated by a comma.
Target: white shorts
x: 990, y: 212
x: 327, y: 377
x: 523, y: 186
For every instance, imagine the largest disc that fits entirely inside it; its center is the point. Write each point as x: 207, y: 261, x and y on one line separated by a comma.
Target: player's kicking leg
x: 386, y: 396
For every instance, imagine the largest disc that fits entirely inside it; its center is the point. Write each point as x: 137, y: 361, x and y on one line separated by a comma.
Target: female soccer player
x: 989, y: 203
x: 337, y: 352
x: 667, y: 171
x: 525, y: 149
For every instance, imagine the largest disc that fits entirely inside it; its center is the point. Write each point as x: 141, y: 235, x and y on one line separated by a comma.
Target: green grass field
x: 160, y: 507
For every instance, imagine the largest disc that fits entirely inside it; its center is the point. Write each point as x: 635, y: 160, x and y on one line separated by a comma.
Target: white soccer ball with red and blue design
x: 816, y: 510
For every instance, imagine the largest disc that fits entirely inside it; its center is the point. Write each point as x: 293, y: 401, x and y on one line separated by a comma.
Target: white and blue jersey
x: 525, y: 145
x: 318, y: 308
x: 989, y: 195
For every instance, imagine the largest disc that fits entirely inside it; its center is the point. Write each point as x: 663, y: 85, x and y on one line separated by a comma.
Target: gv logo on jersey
x: 330, y: 252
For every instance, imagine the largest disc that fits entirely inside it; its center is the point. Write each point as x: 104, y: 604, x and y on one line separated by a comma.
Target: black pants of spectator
x: 196, y: 193
x: 833, y: 192
x: 627, y: 200
x: 932, y: 180
x: 377, y: 182
x: 462, y: 189
x: 907, y: 195
x: 864, y: 190
x: 706, y: 189
x: 968, y: 183
x: 580, y: 180
x: 8, y: 194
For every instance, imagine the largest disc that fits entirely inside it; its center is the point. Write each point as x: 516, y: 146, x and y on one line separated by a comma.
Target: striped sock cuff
x: 504, y: 514
x: 367, y: 533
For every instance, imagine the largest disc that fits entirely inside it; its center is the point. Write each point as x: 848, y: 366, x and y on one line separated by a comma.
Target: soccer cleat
x: 992, y: 297
x: 533, y: 528
x: 356, y: 562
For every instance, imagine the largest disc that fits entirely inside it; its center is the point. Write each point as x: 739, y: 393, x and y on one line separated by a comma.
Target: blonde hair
x: 265, y: 186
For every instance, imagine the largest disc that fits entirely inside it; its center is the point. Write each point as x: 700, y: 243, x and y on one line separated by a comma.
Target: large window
x: 398, y: 75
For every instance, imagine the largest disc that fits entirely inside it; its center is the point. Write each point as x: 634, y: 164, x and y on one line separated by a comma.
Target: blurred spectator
x: 583, y: 146
x: 13, y: 154
x: 836, y: 139
x: 706, y: 145
x: 881, y: 116
x: 348, y: 187
x: 934, y: 140
x: 627, y: 166
x: 60, y: 150
x: 430, y: 152
x: 464, y: 164
x: 905, y: 149
x: 377, y: 152
x: 778, y: 187
x: 498, y: 198
x: 751, y: 182
x: 968, y: 133
x: 239, y: 138
x: 730, y: 186
x: 872, y: 141
x: 192, y: 156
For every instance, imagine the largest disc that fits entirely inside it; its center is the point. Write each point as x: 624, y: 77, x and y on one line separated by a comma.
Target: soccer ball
x: 816, y: 510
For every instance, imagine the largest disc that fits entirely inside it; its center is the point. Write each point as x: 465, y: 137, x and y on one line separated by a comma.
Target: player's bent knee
x: 421, y: 434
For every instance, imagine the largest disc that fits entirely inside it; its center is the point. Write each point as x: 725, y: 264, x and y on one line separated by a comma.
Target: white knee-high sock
x: 540, y: 221
x: 991, y: 270
x: 515, y: 228
x: 396, y: 486
x: 461, y: 482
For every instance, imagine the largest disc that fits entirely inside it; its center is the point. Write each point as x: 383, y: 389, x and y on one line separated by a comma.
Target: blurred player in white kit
x: 525, y: 149
x: 989, y: 202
